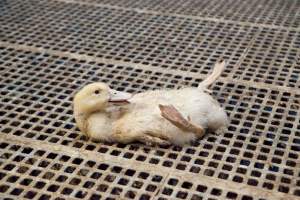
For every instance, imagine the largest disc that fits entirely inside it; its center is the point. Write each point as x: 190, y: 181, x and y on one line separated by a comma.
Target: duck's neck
x: 81, y: 119
x: 82, y: 116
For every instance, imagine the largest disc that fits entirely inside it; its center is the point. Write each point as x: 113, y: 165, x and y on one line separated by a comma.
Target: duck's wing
x: 170, y: 113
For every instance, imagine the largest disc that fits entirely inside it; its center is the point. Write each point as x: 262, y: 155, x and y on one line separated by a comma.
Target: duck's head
x: 96, y: 97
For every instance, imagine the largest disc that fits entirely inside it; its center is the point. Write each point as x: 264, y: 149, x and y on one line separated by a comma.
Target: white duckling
x: 153, y: 117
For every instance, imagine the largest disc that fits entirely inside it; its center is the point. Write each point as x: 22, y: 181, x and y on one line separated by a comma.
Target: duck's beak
x: 119, y: 97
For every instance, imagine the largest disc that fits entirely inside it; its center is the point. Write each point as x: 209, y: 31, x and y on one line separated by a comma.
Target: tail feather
x: 218, y: 69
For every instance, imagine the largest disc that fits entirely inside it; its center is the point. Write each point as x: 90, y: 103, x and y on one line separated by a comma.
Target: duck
x: 156, y: 117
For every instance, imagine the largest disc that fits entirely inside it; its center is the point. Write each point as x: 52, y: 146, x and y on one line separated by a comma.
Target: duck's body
x: 149, y: 118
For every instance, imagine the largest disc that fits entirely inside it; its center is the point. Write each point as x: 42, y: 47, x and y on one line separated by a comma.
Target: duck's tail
x: 218, y: 69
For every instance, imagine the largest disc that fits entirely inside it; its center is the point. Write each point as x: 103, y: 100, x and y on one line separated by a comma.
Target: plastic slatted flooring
x: 50, y: 49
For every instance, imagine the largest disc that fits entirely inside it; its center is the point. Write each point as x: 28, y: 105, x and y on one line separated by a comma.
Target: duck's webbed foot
x: 170, y: 113
x: 152, y: 141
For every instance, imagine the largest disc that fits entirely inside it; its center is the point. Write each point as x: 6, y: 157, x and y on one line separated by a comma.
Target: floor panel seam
x: 195, y: 75
x: 183, y: 176
x: 145, y: 11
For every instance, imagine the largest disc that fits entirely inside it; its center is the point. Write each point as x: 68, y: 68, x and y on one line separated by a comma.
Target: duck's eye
x: 97, y: 91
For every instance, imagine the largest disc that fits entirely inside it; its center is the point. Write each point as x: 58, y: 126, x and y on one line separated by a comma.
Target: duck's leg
x: 208, y: 91
x: 126, y: 137
x: 151, y: 141
x: 170, y: 113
